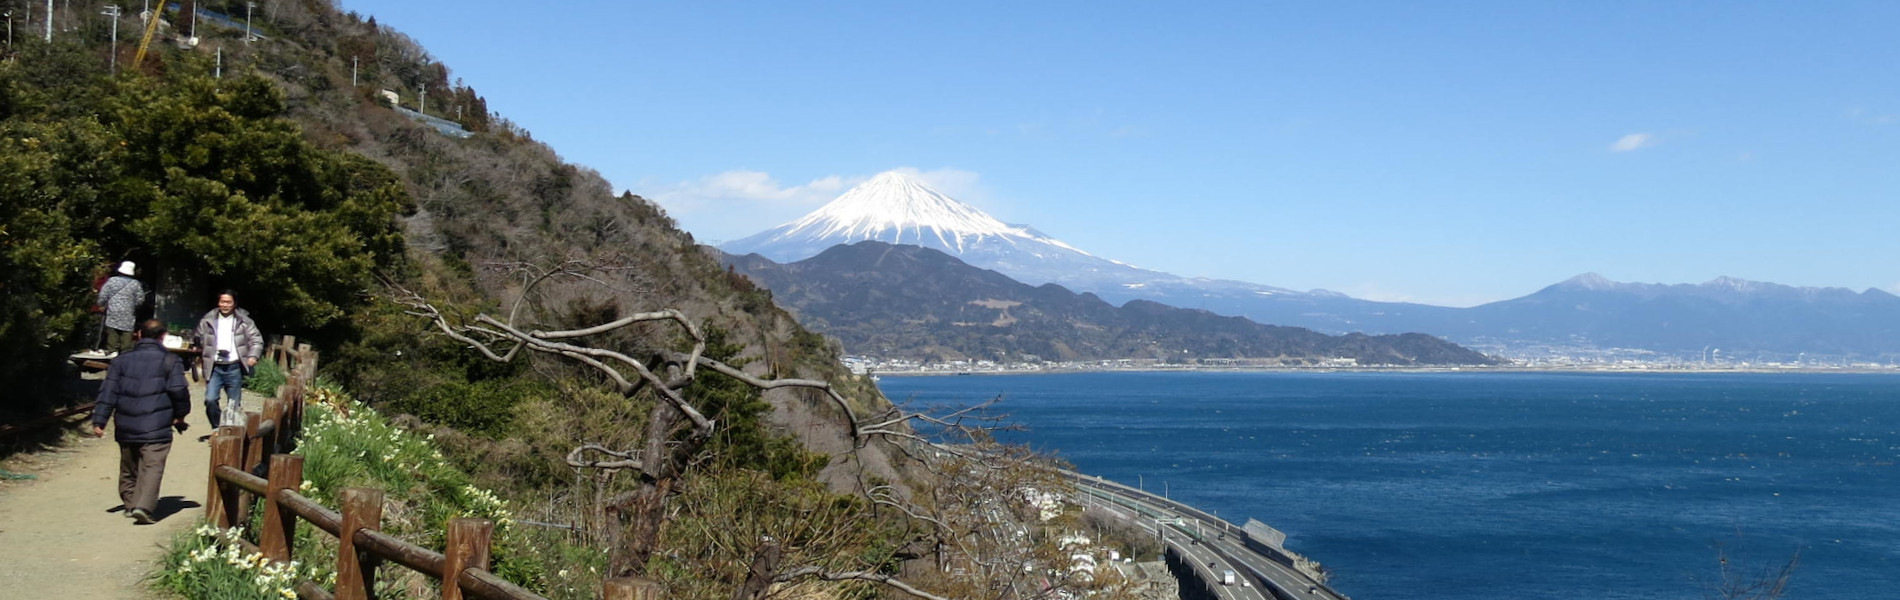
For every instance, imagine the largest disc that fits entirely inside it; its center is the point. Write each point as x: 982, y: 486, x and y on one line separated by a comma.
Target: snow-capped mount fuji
x: 1744, y: 318
x: 895, y: 208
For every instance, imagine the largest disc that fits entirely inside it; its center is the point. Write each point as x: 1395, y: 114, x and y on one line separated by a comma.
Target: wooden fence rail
x: 251, y: 465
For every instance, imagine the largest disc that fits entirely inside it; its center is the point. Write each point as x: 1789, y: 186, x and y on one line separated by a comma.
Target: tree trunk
x: 641, y: 512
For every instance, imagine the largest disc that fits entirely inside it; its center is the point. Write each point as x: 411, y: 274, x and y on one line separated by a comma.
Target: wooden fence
x: 251, y: 466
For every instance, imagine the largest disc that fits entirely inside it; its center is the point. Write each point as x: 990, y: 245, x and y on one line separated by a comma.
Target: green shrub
x: 484, y: 408
x: 266, y: 378
x: 346, y: 444
x: 206, y: 563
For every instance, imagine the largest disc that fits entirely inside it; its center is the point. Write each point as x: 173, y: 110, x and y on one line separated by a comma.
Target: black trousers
x: 141, y: 468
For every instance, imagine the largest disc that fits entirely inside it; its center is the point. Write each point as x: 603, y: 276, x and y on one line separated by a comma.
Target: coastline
x: 1659, y: 370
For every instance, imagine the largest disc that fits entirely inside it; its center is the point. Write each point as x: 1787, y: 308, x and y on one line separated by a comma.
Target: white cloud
x: 956, y: 183
x: 1862, y: 116
x: 738, y: 203
x: 1634, y: 141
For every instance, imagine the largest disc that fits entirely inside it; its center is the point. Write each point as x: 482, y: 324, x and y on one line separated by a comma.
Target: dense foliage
x: 186, y: 174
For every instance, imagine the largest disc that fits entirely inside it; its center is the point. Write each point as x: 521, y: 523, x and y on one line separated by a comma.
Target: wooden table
x: 191, y: 355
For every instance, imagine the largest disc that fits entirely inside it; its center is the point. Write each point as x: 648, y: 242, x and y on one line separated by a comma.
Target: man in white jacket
x: 231, y: 345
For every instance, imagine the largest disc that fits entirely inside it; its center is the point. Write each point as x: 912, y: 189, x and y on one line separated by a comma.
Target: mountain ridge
x: 1760, y: 317
x: 902, y: 301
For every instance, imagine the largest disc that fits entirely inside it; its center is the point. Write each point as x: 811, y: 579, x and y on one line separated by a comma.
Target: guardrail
x: 1114, y: 491
x: 250, y: 465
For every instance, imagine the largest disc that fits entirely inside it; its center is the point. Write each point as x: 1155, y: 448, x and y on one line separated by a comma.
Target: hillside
x: 260, y: 166
x: 914, y: 302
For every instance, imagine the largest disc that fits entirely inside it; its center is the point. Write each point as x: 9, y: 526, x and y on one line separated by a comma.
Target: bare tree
x: 676, y: 430
x: 1767, y: 581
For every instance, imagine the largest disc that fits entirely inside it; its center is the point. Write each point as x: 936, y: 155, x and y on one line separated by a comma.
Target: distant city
x: 1551, y: 358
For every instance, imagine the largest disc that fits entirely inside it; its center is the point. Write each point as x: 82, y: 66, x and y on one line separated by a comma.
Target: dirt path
x: 57, y: 539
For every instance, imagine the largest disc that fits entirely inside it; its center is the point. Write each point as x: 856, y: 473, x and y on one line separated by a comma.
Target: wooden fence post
x: 221, y: 499
x: 290, y: 397
x: 274, y: 412
x: 253, y: 458
x: 630, y: 588
x: 356, y: 570
x: 283, y: 360
x: 280, y: 526
x: 466, y: 548
x: 296, y: 416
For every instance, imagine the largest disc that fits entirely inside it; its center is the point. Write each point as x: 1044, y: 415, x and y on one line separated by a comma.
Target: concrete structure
x: 1208, y: 545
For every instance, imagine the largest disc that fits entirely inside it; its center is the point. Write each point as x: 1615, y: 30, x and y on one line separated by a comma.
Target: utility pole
x: 112, y: 11
x: 422, y: 106
x: 49, y: 21
x: 353, y: 72
x: 194, y: 22
x: 9, y: 29
x: 218, y: 73
x: 247, y: 21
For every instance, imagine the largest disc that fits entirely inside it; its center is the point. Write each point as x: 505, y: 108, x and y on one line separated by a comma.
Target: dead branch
x: 627, y: 461
x: 821, y: 574
x: 982, y: 532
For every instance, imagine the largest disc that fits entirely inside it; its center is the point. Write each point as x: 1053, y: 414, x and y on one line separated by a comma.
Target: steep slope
x: 908, y: 301
x: 474, y: 208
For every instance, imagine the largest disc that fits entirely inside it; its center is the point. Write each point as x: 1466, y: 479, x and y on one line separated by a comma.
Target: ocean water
x: 1501, y: 485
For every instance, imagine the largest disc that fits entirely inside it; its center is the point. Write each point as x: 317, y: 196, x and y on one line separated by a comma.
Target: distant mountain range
x: 914, y: 302
x: 1740, y: 318
x: 1745, y: 319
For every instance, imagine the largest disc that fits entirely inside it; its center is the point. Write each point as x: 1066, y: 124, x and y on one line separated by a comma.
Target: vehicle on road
x: 1227, y: 577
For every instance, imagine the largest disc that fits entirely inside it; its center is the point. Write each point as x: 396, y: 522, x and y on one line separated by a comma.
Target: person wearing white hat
x: 121, y: 296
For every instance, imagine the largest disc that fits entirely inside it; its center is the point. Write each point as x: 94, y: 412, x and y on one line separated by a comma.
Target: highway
x: 1206, y: 540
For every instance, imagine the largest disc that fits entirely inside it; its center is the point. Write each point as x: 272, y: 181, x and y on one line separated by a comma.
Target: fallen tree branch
x: 823, y: 575
x: 627, y: 461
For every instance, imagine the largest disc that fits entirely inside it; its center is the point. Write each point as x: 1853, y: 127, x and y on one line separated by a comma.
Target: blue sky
x: 1441, y: 152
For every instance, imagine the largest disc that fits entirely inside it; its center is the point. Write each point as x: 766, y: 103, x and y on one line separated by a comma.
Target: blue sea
x: 1501, y: 485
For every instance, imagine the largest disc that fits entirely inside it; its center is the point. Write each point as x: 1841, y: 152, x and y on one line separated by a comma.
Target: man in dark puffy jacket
x: 145, y: 395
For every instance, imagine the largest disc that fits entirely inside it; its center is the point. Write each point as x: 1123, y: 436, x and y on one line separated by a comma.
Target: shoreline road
x: 1214, y: 544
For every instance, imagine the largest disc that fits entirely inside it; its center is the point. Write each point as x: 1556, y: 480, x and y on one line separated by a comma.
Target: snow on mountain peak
x: 1589, y: 281
x: 897, y: 208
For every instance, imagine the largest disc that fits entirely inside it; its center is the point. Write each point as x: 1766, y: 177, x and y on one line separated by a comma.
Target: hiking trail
x: 62, y: 535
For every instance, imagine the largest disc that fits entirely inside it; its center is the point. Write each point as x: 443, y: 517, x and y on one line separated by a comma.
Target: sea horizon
x: 1488, y: 485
